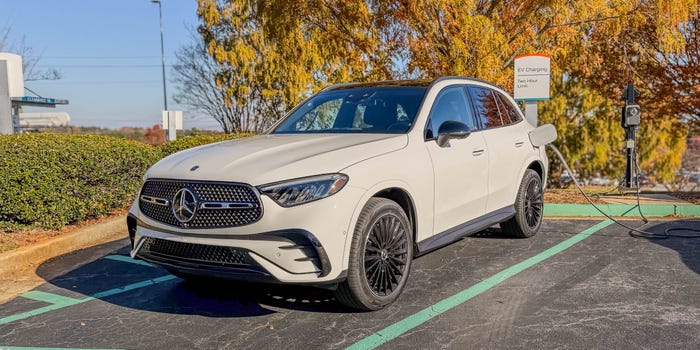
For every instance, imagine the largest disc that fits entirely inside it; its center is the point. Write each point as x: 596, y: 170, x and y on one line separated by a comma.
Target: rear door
x: 461, y: 170
x: 507, y: 143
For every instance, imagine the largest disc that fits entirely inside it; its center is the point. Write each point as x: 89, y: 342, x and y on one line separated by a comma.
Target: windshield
x: 376, y: 109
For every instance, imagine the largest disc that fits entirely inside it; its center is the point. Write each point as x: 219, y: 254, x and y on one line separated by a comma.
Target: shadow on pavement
x: 211, y: 298
x: 688, y: 249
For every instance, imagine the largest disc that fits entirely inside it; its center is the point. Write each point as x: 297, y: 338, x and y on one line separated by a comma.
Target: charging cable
x: 633, y: 231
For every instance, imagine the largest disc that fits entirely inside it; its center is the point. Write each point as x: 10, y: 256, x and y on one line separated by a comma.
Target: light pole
x: 162, y: 51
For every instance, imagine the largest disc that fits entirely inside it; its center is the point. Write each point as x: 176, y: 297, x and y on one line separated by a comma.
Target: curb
x: 34, y: 255
x: 621, y: 210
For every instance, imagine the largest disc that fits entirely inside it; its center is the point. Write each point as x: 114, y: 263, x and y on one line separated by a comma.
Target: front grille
x: 199, y: 254
x: 205, y: 192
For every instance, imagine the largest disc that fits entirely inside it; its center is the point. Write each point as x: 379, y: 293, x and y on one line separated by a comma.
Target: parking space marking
x: 397, y: 329
x: 6, y: 347
x: 63, y: 302
x: 49, y: 297
x: 127, y: 259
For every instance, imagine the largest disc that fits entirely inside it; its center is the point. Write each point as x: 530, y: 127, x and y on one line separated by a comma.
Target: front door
x: 462, y: 168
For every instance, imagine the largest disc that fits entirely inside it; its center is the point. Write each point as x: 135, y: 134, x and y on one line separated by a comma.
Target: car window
x: 381, y: 109
x: 508, y: 112
x: 320, y: 118
x: 486, y: 106
x: 451, y: 104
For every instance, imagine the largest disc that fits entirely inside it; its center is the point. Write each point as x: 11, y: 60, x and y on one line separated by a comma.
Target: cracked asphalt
x: 608, y: 291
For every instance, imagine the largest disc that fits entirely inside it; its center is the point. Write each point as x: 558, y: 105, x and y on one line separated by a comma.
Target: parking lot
x: 577, y: 284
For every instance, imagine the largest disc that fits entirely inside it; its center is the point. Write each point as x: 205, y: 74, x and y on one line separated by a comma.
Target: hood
x: 268, y: 158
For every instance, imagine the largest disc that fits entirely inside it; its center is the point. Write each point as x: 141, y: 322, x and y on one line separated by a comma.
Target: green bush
x: 50, y: 180
x: 186, y: 142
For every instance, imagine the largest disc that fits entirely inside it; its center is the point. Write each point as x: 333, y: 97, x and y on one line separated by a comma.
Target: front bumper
x: 300, y: 245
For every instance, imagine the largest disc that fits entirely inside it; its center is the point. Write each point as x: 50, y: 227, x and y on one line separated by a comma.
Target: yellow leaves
x: 208, y: 11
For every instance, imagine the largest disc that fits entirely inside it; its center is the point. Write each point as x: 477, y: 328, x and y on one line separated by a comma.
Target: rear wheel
x: 529, y: 204
x: 380, y: 257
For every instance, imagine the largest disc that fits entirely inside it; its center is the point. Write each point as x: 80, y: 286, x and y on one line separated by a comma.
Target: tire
x: 529, y: 203
x: 380, y: 257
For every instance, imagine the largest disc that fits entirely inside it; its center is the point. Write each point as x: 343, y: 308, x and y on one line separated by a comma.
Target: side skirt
x: 467, y: 228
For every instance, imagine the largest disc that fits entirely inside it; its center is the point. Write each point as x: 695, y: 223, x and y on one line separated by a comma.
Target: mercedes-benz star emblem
x: 184, y: 205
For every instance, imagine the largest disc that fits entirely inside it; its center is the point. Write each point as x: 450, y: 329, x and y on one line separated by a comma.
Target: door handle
x: 519, y: 143
x: 477, y: 152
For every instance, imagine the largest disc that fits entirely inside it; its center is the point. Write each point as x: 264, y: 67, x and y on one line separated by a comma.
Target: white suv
x: 346, y: 189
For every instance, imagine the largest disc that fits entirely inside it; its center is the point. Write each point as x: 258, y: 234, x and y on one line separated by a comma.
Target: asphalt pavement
x: 577, y: 284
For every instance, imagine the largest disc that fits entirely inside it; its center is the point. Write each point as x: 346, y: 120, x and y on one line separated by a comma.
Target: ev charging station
x: 631, y: 118
x: 12, y: 97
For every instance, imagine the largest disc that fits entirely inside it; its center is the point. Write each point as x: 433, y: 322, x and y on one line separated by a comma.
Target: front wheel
x: 380, y: 257
x: 529, y: 204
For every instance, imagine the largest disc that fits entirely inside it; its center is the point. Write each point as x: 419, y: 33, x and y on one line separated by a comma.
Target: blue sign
x: 33, y: 99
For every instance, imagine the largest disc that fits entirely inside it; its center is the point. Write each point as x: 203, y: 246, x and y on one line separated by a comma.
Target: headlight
x: 304, y: 190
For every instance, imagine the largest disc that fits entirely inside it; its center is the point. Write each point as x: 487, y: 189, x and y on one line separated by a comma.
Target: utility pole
x: 162, y: 51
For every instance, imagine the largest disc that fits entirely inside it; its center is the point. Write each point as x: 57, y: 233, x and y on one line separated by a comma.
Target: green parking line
x: 49, y: 297
x: 5, y: 347
x: 61, y: 302
x: 415, y: 320
x: 127, y: 259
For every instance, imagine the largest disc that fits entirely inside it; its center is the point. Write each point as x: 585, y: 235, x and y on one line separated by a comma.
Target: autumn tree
x: 278, y: 52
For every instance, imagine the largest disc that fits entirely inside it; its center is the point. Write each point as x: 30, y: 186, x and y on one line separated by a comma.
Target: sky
x: 108, y: 54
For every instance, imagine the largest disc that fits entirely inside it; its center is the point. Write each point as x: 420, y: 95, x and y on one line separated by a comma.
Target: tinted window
x: 486, y: 107
x: 451, y: 104
x: 375, y: 109
x: 508, y: 111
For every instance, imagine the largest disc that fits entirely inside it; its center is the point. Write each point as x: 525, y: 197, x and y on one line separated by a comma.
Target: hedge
x: 50, y: 180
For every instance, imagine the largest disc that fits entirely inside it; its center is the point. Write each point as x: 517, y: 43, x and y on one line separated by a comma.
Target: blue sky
x: 108, y: 53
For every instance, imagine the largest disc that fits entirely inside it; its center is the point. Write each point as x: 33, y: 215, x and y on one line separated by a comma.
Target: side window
x: 508, y: 110
x: 486, y: 107
x: 450, y: 104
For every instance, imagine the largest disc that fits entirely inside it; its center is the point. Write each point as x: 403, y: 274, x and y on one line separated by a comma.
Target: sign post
x: 531, y: 82
x: 172, y: 121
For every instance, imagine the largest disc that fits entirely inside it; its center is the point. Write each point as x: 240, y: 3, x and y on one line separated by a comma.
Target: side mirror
x: 543, y: 135
x: 451, y: 130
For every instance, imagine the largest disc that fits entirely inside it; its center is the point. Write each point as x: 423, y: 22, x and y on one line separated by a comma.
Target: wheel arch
x: 404, y: 200
x: 539, y: 168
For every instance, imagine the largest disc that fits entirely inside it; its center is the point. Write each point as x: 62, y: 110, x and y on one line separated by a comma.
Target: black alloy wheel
x: 381, y: 252
x: 529, y: 204
x: 386, y: 251
x: 534, y: 202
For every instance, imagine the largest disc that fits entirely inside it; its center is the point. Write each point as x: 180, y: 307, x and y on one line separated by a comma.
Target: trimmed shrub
x: 50, y: 180
x: 186, y: 142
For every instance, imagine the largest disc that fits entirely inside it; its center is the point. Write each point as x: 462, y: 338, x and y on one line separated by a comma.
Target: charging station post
x: 631, y: 117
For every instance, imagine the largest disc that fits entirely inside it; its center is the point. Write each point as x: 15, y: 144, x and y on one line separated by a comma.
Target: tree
x: 278, y: 52
x: 197, y: 87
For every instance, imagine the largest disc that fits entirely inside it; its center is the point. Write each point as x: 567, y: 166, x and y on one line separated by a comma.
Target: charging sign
x: 532, y: 74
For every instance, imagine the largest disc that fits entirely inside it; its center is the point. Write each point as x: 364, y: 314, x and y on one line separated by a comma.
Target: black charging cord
x: 636, y: 232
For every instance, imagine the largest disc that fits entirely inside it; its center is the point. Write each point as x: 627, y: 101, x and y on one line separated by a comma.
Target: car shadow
x: 112, y: 271
x: 688, y: 248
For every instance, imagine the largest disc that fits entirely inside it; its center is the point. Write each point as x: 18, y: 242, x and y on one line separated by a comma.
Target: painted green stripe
x: 133, y: 286
x: 49, y: 297
x: 7, y: 347
x: 127, y: 259
x: 99, y: 295
x: 649, y: 210
x: 440, y: 307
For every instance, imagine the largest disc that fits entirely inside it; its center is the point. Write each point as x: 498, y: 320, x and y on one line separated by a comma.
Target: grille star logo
x: 184, y: 205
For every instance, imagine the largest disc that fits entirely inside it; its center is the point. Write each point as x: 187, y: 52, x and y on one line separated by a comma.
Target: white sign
x: 532, y: 74
x: 174, y: 117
